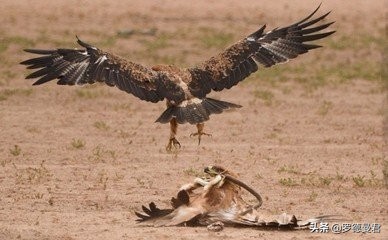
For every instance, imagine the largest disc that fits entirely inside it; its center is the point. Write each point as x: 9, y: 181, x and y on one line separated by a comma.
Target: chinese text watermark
x: 324, y: 227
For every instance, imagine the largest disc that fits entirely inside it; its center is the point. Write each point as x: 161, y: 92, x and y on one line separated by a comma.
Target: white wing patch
x: 250, y: 39
x: 190, y: 101
x: 101, y: 59
x: 276, y: 51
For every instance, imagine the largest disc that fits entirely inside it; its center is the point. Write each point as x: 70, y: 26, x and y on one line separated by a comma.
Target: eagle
x: 216, y: 201
x: 184, y: 89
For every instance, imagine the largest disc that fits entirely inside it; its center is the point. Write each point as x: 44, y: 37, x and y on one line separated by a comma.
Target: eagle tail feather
x: 195, y: 111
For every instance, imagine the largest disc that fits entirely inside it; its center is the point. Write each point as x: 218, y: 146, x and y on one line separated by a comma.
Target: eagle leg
x: 201, y: 182
x: 173, y: 143
x: 198, y: 182
x: 216, y: 181
x: 200, y: 132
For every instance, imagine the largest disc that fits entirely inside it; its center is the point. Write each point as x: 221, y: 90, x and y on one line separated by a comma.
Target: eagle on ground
x: 216, y: 201
x: 184, y: 89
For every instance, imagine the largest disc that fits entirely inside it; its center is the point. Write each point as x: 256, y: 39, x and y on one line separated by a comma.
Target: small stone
x: 215, y: 227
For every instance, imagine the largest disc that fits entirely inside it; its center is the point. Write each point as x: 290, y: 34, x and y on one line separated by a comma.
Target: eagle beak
x: 211, y: 171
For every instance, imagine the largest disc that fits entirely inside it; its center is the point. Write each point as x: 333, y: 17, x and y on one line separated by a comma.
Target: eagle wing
x: 267, y: 49
x: 90, y: 65
x: 183, y: 211
x: 209, y: 204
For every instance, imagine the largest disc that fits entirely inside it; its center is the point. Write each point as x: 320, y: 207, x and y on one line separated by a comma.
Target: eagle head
x: 214, y: 170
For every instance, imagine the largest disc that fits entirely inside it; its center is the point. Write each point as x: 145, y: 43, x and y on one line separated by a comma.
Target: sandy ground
x: 76, y: 162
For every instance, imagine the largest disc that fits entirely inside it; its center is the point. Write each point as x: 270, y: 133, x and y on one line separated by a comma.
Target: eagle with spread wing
x: 217, y: 201
x: 185, y: 89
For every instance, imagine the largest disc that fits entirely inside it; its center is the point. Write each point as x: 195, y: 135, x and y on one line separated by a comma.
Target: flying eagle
x: 185, y: 89
x: 216, y: 202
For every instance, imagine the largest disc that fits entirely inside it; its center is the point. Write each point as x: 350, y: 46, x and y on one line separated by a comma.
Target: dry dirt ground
x: 75, y: 162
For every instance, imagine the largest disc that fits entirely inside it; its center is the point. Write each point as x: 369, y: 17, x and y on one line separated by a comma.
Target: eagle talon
x: 217, y: 181
x: 173, y: 143
x: 199, y: 134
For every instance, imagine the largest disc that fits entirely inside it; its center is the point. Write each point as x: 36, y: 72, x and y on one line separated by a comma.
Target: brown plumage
x: 217, y: 201
x: 185, y: 89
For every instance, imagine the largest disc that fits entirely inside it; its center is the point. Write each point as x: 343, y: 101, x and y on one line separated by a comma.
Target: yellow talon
x: 173, y: 143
